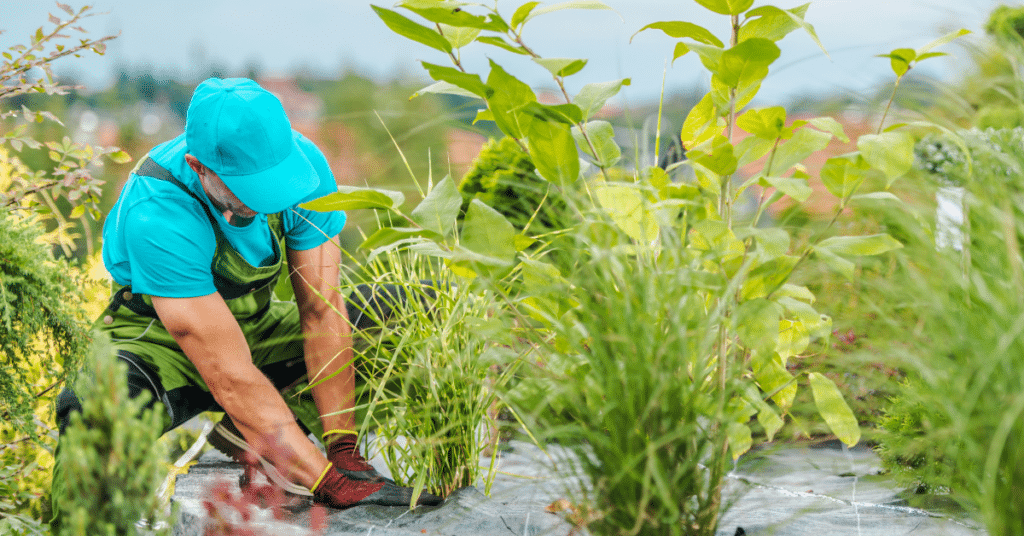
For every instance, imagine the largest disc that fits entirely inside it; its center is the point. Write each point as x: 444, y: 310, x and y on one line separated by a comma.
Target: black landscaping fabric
x: 794, y: 490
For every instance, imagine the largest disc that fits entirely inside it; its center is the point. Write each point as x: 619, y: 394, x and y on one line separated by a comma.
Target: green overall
x: 271, y: 327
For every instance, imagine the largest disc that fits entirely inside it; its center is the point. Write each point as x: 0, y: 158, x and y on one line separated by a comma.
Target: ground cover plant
x: 637, y: 234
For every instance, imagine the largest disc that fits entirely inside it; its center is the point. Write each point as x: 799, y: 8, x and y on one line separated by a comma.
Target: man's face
x: 222, y: 196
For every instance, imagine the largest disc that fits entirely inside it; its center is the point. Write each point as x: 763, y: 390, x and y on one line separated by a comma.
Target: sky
x: 184, y: 37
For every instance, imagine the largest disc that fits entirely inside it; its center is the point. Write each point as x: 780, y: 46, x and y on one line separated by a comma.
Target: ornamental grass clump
x: 433, y: 372
x: 633, y: 374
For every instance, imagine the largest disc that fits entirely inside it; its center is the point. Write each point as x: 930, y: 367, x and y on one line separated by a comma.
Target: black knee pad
x: 67, y: 403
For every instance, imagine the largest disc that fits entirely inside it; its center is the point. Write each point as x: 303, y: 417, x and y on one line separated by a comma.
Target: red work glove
x: 343, y: 452
x: 338, y: 491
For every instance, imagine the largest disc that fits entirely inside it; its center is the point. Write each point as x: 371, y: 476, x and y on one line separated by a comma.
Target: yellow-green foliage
x: 38, y: 312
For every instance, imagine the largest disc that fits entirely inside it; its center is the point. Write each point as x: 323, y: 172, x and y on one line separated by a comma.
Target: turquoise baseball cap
x: 241, y: 132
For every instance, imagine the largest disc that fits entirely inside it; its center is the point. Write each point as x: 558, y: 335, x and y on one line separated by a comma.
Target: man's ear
x: 194, y: 163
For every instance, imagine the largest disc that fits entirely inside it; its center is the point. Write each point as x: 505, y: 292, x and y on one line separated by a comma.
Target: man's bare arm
x: 328, y: 342
x: 211, y: 338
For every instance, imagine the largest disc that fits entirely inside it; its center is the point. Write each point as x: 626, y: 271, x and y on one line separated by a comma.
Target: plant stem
x: 889, y: 104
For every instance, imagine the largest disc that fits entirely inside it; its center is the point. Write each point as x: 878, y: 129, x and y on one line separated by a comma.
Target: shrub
x: 504, y: 178
x: 111, y: 464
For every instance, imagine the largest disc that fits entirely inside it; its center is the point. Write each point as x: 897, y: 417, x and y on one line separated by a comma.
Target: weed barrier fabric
x: 787, y: 491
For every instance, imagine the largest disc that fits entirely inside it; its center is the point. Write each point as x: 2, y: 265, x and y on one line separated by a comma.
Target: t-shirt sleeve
x: 307, y: 229
x: 170, y: 249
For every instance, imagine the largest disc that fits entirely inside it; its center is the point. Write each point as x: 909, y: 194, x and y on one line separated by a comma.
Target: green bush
x: 110, y: 464
x: 40, y: 320
x: 504, y: 178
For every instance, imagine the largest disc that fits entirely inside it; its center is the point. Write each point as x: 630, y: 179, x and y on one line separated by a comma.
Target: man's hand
x: 211, y: 338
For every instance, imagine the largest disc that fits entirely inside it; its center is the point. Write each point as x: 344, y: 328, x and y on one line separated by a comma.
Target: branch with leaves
x: 27, y: 70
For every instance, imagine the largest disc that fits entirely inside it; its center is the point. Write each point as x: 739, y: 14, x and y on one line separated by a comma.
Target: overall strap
x: 124, y: 295
x: 149, y: 168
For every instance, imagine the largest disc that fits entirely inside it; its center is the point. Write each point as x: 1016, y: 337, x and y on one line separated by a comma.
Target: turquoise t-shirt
x: 158, y: 241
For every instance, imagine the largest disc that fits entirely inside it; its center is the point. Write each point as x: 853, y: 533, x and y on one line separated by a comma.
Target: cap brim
x: 278, y: 188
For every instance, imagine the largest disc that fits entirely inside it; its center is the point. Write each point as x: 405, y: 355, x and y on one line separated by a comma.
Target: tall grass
x: 631, y: 384
x: 434, y: 370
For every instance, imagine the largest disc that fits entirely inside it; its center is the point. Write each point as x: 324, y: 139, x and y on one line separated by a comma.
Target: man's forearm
x: 213, y: 341
x: 329, y: 362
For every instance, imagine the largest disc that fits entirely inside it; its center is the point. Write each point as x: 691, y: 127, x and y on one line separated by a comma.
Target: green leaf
x: 765, y: 123
x: 351, y: 198
x: 501, y: 43
x: 387, y: 236
x: 797, y: 293
x: 680, y: 51
x: 740, y: 439
x: 561, y: 66
x: 727, y: 7
x: 445, y: 88
x: 843, y: 266
x: 453, y: 17
x: 892, y: 153
x: 439, y: 208
x: 833, y: 408
x: 768, y: 276
x: 766, y: 416
x: 506, y: 103
x: 554, y: 152
x: 483, y: 115
x: 710, y: 55
x: 684, y: 30
x: 602, y: 135
x: 522, y: 12
x: 411, y: 30
x: 794, y: 338
x: 466, y: 81
x: 569, y: 114
x: 771, y: 375
x: 900, y: 59
x: 941, y: 41
x: 77, y: 212
x: 860, y: 245
x: 795, y: 187
x: 459, y: 36
x: 700, y: 124
x: 486, y: 232
x: 770, y: 22
x: 757, y: 324
x: 747, y: 62
x: 770, y: 27
x: 803, y: 144
x: 629, y: 209
x: 572, y: 4
x: 876, y: 196
x: 120, y: 157
x: 592, y: 97
x: 794, y: 301
x: 752, y: 148
x: 721, y: 160
x: 830, y: 125
x: 772, y: 242
x: 842, y: 175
